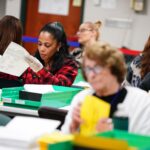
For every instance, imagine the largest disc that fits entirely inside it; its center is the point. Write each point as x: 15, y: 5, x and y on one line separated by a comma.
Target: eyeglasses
x: 97, y: 69
x: 84, y: 30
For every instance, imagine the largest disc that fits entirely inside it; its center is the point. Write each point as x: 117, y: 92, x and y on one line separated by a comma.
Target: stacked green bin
x: 134, y: 141
x: 60, y: 98
x: 67, y: 145
x: 140, y: 142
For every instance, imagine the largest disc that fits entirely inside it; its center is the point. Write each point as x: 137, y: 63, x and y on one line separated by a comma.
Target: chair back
x: 52, y: 113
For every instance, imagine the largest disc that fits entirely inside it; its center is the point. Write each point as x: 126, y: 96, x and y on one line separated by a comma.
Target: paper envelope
x: 92, y: 110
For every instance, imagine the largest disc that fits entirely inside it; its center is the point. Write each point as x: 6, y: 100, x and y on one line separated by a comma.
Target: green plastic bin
x: 60, y: 98
x: 67, y: 145
x: 134, y: 140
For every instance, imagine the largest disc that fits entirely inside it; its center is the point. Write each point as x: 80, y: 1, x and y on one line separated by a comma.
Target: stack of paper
x: 14, y: 60
x: 22, y: 132
x: 39, y: 88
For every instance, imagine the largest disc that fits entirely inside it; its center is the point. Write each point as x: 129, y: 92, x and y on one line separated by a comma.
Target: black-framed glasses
x: 96, y: 69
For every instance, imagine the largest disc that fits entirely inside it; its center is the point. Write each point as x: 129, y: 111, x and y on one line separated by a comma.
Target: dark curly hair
x: 57, y: 31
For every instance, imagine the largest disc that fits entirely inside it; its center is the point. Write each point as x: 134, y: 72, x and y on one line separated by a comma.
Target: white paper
x: 82, y: 84
x: 38, y: 88
x: 32, y: 125
x: 14, y: 60
x: 56, y: 7
x: 23, y: 132
x: 65, y: 108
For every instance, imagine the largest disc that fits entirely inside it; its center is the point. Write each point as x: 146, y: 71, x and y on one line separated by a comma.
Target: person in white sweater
x: 104, y: 68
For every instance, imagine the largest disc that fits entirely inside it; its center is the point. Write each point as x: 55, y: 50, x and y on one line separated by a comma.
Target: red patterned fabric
x: 64, y: 76
x: 7, y: 76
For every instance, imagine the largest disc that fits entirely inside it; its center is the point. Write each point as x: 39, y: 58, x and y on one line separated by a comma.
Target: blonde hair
x: 95, y: 27
x: 107, y: 56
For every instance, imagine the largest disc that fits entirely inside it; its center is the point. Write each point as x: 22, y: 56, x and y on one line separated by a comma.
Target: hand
x: 104, y: 124
x: 76, y: 120
x: 34, y: 63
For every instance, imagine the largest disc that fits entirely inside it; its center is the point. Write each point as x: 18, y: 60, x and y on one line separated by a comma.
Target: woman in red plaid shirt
x: 59, y: 68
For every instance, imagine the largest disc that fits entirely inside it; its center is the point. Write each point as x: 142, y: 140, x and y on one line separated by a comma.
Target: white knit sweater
x: 136, y: 104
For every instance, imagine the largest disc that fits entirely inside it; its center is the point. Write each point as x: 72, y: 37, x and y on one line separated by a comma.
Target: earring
x: 58, y: 50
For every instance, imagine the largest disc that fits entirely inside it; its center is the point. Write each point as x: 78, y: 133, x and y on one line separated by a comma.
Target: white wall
x: 13, y: 8
x: 133, y: 38
x: 2, y: 8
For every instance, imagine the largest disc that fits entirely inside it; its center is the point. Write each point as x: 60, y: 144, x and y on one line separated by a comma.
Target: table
x: 14, y: 111
x: 23, y: 111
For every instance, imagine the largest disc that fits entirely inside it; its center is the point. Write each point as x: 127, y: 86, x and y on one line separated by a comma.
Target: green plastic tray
x: 134, y: 140
x: 60, y: 98
x: 67, y: 145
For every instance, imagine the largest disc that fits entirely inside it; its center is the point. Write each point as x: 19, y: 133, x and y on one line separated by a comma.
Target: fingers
x: 104, y: 124
x: 34, y: 63
x: 76, y: 114
x: 106, y: 120
x: 76, y: 119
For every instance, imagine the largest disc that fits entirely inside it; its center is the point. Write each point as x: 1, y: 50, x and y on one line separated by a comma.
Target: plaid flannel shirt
x: 64, y: 76
x: 8, y: 76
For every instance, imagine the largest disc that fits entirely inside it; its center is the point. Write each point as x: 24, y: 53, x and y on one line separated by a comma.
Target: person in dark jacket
x: 139, y: 67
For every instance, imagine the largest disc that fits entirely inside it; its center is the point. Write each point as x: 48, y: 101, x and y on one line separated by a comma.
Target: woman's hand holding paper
x: 34, y: 63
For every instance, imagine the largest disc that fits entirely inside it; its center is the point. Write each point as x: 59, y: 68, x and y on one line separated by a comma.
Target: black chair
x: 4, y: 83
x: 52, y: 113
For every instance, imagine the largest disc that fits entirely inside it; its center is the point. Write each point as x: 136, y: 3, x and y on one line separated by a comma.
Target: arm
x: 128, y: 76
x: 140, y: 122
x: 137, y: 104
x: 145, y: 84
x: 76, y: 119
x: 68, y: 127
x: 65, y: 76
